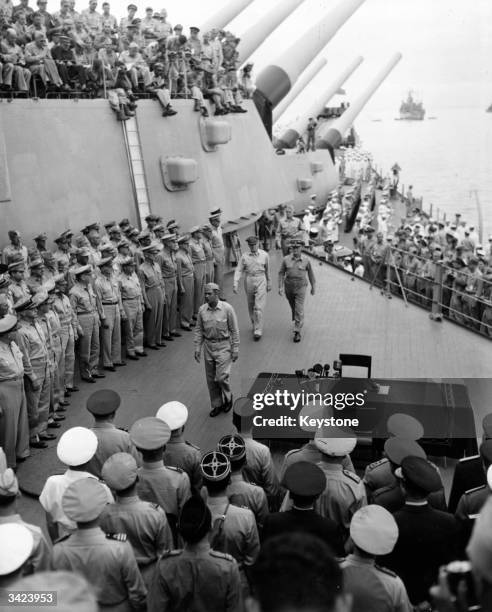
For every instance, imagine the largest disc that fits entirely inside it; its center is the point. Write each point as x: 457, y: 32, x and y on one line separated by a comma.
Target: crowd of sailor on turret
x: 90, y: 54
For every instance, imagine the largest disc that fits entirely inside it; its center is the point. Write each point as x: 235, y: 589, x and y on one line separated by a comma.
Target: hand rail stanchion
x: 436, y: 308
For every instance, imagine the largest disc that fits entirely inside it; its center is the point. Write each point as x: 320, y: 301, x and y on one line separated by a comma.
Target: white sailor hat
x: 374, y: 530
x: 7, y: 323
x: 174, y: 413
x: 17, y: 544
x: 335, y: 442
x: 76, y: 446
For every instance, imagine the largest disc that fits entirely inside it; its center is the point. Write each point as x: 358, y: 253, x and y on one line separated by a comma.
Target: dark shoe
x: 59, y: 417
x: 204, y: 112
x: 38, y: 444
x: 168, y: 338
x: 297, y: 336
x: 72, y: 389
x: 110, y: 368
x: 240, y: 109
x: 63, y: 403
x: 132, y: 357
x: 176, y: 335
x: 169, y: 112
x: 53, y: 425
x: 20, y: 459
x: 47, y: 436
x: 98, y: 375
x: 62, y: 409
x: 163, y: 344
x: 88, y: 379
x: 215, y: 411
x: 257, y: 337
x: 154, y: 347
x: 228, y: 405
x: 120, y: 364
x: 142, y: 354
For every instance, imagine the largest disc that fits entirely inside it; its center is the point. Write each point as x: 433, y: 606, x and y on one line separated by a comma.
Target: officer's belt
x: 110, y: 303
x: 129, y: 299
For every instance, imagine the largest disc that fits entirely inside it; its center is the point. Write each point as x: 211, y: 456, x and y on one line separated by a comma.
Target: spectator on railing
x: 91, y: 18
x: 68, y: 67
x: 163, y: 26
x: 107, y: 19
x: 159, y: 85
x: 147, y: 26
x: 136, y: 66
x: 64, y: 18
x: 14, y: 63
x: 37, y: 25
x: 21, y: 28
x: 40, y: 62
x: 79, y: 34
x: 126, y: 21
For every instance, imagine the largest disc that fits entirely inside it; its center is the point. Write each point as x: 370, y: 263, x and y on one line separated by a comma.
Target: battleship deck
x: 343, y: 316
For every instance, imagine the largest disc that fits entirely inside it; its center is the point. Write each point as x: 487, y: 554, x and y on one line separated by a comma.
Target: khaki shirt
x: 108, y: 565
x: 253, y: 264
x: 296, y: 270
x: 11, y: 366
x: 182, y: 454
x: 242, y: 493
x: 164, y: 485
x: 217, y: 324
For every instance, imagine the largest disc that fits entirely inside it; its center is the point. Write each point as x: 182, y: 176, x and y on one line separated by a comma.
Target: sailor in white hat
x: 17, y: 543
x: 373, y: 532
x: 179, y: 452
x: 75, y: 449
x: 345, y: 492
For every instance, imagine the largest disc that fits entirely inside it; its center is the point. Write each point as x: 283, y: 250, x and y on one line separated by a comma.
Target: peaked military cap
x: 174, y: 413
x: 119, y: 471
x: 84, y: 500
x: 150, y: 433
x: 420, y: 473
x: 404, y: 426
x: 396, y: 449
x: 7, y: 323
x: 305, y: 479
x: 103, y: 402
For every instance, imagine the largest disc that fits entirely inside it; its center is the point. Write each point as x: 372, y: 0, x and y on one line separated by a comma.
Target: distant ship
x: 411, y: 110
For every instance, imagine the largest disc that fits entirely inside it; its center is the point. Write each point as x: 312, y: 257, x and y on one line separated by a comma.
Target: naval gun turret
x: 257, y: 33
x: 276, y: 80
x: 225, y: 15
x: 332, y: 135
x: 289, y: 137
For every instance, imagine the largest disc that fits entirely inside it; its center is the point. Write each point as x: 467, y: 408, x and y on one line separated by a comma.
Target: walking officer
x: 108, y: 292
x: 145, y: 524
x: 153, y: 294
x: 196, y: 577
x: 185, y: 282
x: 257, y: 282
x: 133, y: 303
x: 103, y: 405
x: 199, y: 265
x: 289, y: 229
x: 14, y: 428
x: 180, y: 453
x: 85, y: 306
x: 158, y: 483
x: 107, y: 561
x: 218, y: 248
x: 293, y: 278
x: 218, y: 332
x: 169, y: 269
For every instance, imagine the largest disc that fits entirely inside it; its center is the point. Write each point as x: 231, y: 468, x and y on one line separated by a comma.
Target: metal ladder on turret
x: 135, y: 160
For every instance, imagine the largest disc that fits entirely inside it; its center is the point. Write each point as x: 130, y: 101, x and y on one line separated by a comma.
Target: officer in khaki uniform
x: 179, y: 452
x: 199, y: 267
x: 239, y: 491
x: 259, y: 466
x: 169, y: 269
x: 256, y: 267
x: 373, y: 532
x: 152, y: 285
x: 196, y: 577
x: 32, y: 342
x: 344, y: 493
x: 234, y: 529
x: 18, y: 286
x: 158, y: 483
x: 133, y: 304
x: 87, y: 310
x: 185, y: 282
x: 14, y: 428
x: 68, y: 332
x: 103, y: 405
x: 209, y: 253
x: 293, y: 276
x: 107, y: 561
x: 289, y: 229
x: 218, y: 248
x: 108, y: 292
x: 144, y: 523
x: 218, y: 332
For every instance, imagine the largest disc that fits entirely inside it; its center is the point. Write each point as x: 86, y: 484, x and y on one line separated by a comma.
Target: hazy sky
x: 446, y: 44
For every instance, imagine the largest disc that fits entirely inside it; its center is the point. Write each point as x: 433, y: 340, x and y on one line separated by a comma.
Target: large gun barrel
x: 225, y: 15
x: 257, y: 33
x: 275, y: 80
x: 305, y: 78
x: 331, y: 137
x: 290, y: 136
